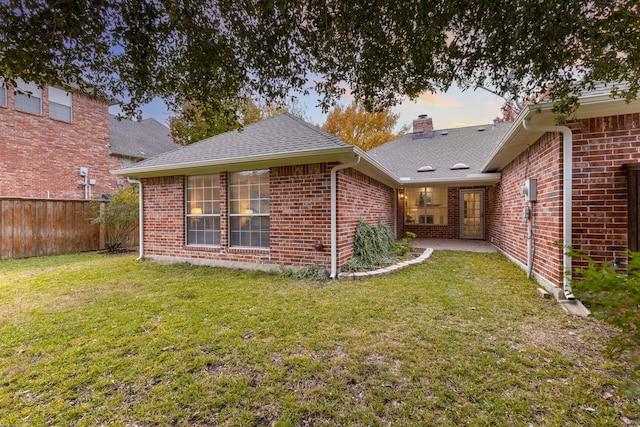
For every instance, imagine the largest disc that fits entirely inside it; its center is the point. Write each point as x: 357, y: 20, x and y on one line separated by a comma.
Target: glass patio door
x: 472, y: 214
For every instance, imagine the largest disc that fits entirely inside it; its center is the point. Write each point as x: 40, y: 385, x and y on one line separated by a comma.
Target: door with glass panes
x: 472, y: 214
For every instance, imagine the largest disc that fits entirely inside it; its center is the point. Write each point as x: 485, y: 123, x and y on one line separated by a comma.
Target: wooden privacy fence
x: 36, y: 227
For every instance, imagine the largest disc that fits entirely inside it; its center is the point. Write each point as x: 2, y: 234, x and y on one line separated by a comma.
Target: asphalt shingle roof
x: 404, y: 156
x: 278, y: 135
x: 139, y: 140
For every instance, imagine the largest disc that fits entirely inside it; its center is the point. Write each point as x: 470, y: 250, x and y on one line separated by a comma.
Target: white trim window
x: 28, y: 97
x: 60, y: 104
x: 3, y: 93
x: 249, y: 209
x: 426, y: 206
x: 203, y: 210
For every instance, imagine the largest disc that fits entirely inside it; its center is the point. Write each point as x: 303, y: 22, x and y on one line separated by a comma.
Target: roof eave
x: 517, y: 139
x: 341, y: 154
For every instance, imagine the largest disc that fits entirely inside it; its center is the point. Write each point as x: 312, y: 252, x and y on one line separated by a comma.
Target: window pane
x: 248, y: 202
x: 27, y: 104
x: 3, y: 93
x: 203, y: 210
x: 59, y: 112
x: 29, y: 100
x: 59, y: 104
x: 426, y: 205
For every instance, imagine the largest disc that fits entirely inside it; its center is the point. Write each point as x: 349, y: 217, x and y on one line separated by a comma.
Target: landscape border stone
x: 388, y: 269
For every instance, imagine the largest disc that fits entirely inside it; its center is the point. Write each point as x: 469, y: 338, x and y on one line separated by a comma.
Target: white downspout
x: 567, y: 199
x: 334, y: 214
x: 140, y: 217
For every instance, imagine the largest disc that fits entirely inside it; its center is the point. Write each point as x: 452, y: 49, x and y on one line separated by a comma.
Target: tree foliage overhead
x: 195, y: 122
x: 356, y: 126
x: 210, y: 50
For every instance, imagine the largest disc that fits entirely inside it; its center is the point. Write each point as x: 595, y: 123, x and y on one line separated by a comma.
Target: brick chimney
x: 422, y: 127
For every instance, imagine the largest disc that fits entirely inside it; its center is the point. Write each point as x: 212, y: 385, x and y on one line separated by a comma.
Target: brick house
x: 282, y: 192
x: 48, y: 136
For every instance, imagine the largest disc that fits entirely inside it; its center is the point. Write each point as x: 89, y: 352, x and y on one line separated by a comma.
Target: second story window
x: 3, y: 93
x: 59, y: 104
x: 28, y: 97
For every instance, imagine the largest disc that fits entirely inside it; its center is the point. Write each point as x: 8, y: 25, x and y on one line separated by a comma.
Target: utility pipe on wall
x: 334, y: 214
x: 567, y: 199
x: 530, y: 248
x: 140, y: 217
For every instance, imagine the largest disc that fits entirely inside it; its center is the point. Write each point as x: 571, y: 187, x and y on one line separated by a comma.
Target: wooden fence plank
x: 18, y: 220
x: 6, y: 233
x: 27, y: 233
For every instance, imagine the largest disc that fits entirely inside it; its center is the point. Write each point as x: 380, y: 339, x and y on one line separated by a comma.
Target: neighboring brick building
x: 263, y: 197
x: 47, y: 137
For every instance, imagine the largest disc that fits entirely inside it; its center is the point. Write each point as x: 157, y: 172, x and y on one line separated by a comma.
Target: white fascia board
x: 240, y: 163
x: 467, y: 180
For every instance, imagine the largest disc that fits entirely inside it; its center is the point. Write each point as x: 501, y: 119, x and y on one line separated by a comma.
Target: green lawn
x: 461, y: 340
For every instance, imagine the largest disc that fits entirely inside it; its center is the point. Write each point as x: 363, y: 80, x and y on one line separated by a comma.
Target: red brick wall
x: 360, y: 197
x: 164, y: 216
x: 506, y: 227
x: 40, y: 156
x: 300, y: 217
x: 600, y: 147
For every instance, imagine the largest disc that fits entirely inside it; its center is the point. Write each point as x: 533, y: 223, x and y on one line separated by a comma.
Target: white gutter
x: 140, y: 217
x: 171, y: 167
x: 567, y: 199
x: 334, y: 214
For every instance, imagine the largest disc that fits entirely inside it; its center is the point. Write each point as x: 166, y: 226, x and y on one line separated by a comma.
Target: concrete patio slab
x: 454, y: 245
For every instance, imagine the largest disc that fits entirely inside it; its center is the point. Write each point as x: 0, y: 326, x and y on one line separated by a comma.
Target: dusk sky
x: 451, y: 109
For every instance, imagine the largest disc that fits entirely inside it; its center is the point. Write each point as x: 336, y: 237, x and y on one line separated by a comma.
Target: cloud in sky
x: 440, y: 100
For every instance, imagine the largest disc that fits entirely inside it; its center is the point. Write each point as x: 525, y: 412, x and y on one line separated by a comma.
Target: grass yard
x: 461, y: 340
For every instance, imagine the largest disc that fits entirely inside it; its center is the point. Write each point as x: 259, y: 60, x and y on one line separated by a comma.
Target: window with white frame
x: 249, y: 209
x: 203, y: 210
x: 426, y: 205
x: 28, y: 97
x: 60, y: 104
x: 3, y: 93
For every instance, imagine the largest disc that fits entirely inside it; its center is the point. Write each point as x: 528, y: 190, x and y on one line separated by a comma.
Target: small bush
x: 372, y: 247
x: 614, y: 295
x: 404, y: 247
x: 119, y: 216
